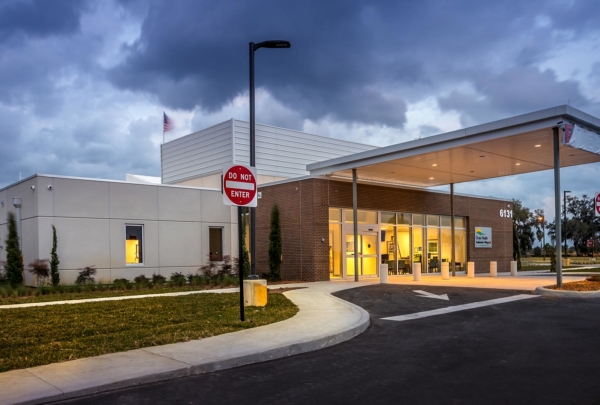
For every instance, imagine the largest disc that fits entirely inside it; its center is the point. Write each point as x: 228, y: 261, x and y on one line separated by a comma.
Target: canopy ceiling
x: 522, y: 144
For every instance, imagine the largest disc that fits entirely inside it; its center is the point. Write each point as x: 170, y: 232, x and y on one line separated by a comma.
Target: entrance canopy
x: 517, y: 145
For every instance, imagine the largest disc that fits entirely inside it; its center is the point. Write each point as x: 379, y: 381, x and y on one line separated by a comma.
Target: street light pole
x: 565, y: 215
x: 253, y: 47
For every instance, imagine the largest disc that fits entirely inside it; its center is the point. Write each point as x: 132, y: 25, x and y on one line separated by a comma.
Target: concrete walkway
x: 323, y: 320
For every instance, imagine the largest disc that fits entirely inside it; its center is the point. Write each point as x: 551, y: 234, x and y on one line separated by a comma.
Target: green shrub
x: 86, y: 275
x: 142, y: 281
x: 158, y: 279
x: 595, y: 277
x: 177, y: 279
x: 194, y: 279
x: 122, y: 283
x: 54, y: 262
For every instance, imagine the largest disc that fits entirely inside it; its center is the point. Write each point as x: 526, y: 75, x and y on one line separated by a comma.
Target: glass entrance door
x: 367, y: 254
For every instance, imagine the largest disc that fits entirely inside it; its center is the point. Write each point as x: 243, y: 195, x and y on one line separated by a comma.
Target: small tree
x: 516, y: 247
x: 275, y: 246
x: 40, y: 269
x: 14, y: 257
x: 54, y: 262
x: 86, y: 275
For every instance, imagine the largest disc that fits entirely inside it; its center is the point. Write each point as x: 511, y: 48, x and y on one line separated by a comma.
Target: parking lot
x: 534, y: 350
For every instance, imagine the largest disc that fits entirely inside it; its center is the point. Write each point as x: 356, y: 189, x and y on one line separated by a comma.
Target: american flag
x: 168, y: 124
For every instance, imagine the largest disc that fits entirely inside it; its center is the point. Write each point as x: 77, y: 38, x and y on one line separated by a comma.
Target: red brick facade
x: 304, y: 205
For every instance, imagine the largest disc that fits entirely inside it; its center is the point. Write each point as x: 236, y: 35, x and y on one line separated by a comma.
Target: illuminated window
x: 215, y: 236
x: 134, y: 242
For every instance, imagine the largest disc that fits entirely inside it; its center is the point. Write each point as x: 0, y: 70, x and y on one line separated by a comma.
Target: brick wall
x: 304, y: 214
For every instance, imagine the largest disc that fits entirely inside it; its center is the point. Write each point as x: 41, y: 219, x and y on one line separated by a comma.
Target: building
x: 139, y: 227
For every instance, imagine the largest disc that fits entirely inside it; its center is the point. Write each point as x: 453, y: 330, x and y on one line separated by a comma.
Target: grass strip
x: 56, y: 295
x: 42, y: 335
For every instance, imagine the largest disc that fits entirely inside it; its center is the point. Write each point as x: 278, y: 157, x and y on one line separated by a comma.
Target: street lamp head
x: 273, y: 44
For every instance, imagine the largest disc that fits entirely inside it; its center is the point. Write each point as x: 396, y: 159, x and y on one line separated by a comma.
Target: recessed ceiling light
x: 393, y: 172
x: 481, y: 156
x: 537, y: 146
x: 472, y: 171
x: 434, y: 165
x: 518, y: 164
x: 431, y: 178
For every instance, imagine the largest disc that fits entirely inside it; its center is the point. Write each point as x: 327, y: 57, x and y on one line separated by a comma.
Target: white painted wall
x: 90, y: 218
x: 198, y: 159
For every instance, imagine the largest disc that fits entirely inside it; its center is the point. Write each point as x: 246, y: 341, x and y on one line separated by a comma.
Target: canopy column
x: 355, y: 217
x: 557, y: 219
x: 452, y: 258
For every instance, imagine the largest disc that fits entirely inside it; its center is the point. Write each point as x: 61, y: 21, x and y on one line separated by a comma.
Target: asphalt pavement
x: 529, y: 351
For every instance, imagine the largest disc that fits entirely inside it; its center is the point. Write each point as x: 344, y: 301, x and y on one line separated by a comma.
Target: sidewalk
x: 323, y: 320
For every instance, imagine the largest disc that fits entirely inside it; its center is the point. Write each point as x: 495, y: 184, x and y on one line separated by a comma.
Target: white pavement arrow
x: 425, y: 294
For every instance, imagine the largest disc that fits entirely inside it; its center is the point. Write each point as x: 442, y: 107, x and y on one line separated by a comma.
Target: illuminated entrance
x: 395, y: 239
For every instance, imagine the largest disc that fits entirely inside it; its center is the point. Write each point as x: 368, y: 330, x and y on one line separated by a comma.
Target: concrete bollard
x: 255, y: 293
x: 417, y: 271
x: 471, y: 269
x: 493, y: 269
x: 513, y: 268
x: 383, y: 273
x: 445, y: 271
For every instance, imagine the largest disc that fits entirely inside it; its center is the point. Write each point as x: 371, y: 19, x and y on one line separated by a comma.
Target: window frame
x: 143, y: 263
x: 222, y: 243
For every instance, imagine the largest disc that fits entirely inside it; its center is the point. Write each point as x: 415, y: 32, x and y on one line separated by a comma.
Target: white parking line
x: 457, y: 308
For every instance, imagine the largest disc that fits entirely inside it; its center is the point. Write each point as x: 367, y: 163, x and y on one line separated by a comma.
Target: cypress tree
x: 54, y: 262
x: 275, y: 246
x: 245, y: 254
x: 14, y: 257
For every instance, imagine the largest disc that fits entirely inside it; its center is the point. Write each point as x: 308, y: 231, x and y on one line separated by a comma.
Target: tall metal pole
x: 557, y: 220
x: 252, y: 164
x: 355, y: 217
x: 452, y: 258
x: 241, y: 261
x: 565, y: 216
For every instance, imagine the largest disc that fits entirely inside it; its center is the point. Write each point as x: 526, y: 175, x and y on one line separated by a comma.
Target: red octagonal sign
x: 239, y: 186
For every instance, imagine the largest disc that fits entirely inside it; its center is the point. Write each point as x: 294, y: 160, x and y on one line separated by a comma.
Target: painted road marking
x: 457, y: 308
x: 425, y: 294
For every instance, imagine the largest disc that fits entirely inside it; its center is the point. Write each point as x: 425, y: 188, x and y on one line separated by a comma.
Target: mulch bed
x: 589, y: 284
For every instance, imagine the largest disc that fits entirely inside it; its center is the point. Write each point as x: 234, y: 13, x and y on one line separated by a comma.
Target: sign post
x: 239, y: 189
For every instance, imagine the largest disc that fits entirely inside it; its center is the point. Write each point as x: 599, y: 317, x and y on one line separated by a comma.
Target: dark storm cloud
x: 344, y: 55
x: 39, y: 18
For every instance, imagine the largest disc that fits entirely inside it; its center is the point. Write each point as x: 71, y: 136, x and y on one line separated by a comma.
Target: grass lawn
x: 43, y: 335
x: 87, y: 293
x: 594, y: 270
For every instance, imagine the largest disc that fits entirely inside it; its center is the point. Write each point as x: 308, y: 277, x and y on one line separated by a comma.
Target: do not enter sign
x: 239, y: 186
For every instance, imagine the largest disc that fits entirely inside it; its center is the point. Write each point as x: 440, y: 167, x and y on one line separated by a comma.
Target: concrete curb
x: 567, y: 294
x: 313, y: 328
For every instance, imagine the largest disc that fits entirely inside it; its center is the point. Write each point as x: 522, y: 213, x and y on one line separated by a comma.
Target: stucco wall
x: 90, y: 218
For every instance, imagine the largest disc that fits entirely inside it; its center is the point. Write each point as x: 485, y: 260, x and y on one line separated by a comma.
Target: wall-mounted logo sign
x: 483, y: 237
x: 239, y: 186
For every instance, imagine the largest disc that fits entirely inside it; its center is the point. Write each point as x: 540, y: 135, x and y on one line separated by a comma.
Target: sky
x: 83, y: 84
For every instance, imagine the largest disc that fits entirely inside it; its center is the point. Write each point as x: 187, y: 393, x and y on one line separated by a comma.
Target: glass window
x: 417, y: 233
x: 460, y: 251
x: 417, y: 219
x: 364, y: 217
x: 134, y: 242
x: 335, y: 215
x: 215, y: 240
x: 335, y: 250
x: 460, y: 222
x: 433, y: 220
x: 447, y: 221
x: 433, y: 250
x: 404, y: 219
x: 447, y: 244
x: 388, y: 218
